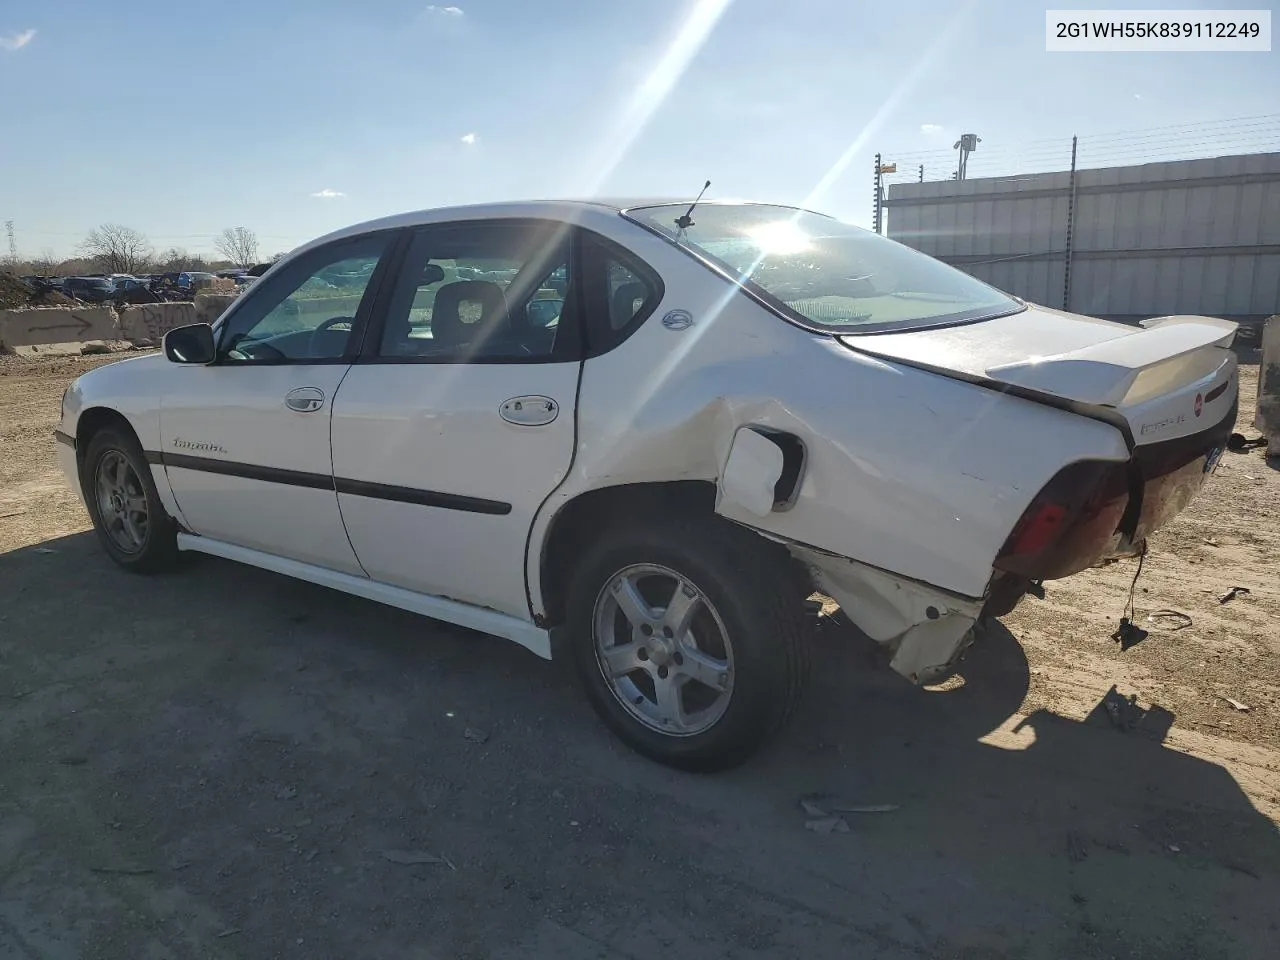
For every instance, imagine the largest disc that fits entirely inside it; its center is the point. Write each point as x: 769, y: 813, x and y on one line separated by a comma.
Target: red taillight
x: 1070, y: 524
x: 1041, y: 527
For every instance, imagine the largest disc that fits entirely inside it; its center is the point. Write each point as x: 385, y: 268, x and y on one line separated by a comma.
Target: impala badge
x: 200, y: 445
x: 678, y: 320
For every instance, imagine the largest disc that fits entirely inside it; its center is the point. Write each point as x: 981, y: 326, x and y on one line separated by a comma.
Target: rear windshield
x: 825, y: 273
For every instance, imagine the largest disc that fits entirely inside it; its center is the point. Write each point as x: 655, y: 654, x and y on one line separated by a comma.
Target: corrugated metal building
x: 1192, y: 236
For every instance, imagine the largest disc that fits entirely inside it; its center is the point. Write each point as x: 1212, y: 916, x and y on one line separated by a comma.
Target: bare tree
x: 117, y: 249
x: 46, y: 264
x: 75, y: 267
x: 176, y: 260
x: 239, y: 245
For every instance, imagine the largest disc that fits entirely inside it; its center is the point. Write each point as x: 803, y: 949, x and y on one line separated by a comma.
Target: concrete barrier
x: 151, y: 321
x: 1267, y: 417
x: 24, y: 328
x: 213, y: 285
x: 210, y: 306
x: 314, y: 310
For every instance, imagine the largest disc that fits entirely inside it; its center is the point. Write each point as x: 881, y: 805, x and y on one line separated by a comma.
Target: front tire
x: 125, y: 507
x: 688, y: 638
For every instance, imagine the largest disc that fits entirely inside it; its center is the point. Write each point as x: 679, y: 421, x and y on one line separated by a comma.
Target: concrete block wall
x: 25, y: 328
x: 44, y: 326
x: 151, y: 321
x: 210, y: 306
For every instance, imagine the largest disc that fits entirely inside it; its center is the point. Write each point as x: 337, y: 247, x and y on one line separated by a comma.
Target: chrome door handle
x: 530, y: 411
x: 304, y: 399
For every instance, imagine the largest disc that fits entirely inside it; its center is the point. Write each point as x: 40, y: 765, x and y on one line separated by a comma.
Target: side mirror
x: 539, y: 313
x: 190, y: 344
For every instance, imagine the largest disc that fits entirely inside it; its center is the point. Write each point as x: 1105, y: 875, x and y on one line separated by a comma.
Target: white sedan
x: 642, y: 435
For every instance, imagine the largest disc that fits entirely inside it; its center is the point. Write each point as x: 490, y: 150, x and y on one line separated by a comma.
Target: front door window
x: 308, y: 313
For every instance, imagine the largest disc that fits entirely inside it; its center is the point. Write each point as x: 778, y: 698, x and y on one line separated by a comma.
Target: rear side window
x: 628, y: 293
x: 621, y: 291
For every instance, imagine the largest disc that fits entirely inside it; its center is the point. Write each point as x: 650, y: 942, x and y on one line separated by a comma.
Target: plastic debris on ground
x: 1172, y: 619
x: 823, y: 812
x: 411, y: 858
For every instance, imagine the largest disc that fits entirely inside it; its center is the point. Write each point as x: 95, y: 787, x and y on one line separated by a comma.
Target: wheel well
x: 582, y: 519
x: 95, y: 419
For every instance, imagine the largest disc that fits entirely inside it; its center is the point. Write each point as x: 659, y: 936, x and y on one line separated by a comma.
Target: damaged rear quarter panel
x: 913, y: 472
x: 907, y: 471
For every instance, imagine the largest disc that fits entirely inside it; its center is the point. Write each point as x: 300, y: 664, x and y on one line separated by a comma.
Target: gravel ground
x: 221, y: 762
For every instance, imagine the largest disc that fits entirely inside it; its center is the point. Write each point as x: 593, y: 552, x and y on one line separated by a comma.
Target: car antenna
x: 685, y: 221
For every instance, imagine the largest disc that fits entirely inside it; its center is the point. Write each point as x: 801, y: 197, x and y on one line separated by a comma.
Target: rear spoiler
x: 1105, y: 374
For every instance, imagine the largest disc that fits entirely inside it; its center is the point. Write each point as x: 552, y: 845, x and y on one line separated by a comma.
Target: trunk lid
x: 1172, y: 380
x: 1169, y: 378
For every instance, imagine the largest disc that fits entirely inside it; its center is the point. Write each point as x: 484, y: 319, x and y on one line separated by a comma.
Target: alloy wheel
x: 122, y: 502
x: 663, y: 650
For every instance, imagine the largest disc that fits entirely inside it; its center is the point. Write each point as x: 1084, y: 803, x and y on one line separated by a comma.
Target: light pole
x: 967, y: 143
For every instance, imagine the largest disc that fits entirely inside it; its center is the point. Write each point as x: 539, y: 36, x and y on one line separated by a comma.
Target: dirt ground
x: 224, y: 763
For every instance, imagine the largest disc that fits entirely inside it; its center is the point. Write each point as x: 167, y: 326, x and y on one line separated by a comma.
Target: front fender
x: 131, y: 389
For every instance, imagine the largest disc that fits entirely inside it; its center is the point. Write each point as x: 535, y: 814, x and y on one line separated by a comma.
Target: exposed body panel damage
x: 751, y: 473
x: 918, y: 474
x: 925, y: 629
x: 902, y: 479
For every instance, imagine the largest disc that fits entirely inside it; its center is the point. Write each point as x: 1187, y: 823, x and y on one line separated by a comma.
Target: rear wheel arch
x: 582, y: 520
x: 704, y: 690
x: 574, y: 523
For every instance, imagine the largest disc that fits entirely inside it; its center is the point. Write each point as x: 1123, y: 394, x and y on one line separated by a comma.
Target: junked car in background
x: 88, y: 289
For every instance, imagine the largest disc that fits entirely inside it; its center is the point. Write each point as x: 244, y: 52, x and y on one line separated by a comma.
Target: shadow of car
x: 355, y: 730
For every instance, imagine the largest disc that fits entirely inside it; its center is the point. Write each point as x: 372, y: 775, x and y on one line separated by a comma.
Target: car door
x: 245, y: 440
x: 457, y: 421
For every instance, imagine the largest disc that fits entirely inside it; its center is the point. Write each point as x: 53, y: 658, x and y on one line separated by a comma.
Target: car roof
x: 566, y: 208
x: 577, y: 210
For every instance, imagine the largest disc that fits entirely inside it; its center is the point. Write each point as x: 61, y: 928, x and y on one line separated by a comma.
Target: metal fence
x: 1129, y: 241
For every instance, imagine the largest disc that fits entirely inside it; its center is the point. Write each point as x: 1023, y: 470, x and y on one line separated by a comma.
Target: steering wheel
x: 327, y: 325
x: 258, y: 351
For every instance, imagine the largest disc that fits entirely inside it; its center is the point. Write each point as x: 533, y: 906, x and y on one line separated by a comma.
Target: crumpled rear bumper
x: 925, y: 629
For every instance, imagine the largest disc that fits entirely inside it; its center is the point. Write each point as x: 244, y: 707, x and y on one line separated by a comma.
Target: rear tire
x: 121, y: 495
x: 689, y: 638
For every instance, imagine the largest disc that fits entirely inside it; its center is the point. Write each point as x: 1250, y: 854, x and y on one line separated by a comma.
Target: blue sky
x: 180, y: 119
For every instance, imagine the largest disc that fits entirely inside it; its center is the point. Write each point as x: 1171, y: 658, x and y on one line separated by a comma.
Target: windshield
x: 826, y: 273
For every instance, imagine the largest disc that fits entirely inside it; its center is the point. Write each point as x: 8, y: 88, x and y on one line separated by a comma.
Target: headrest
x: 447, y: 326
x: 623, y: 306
